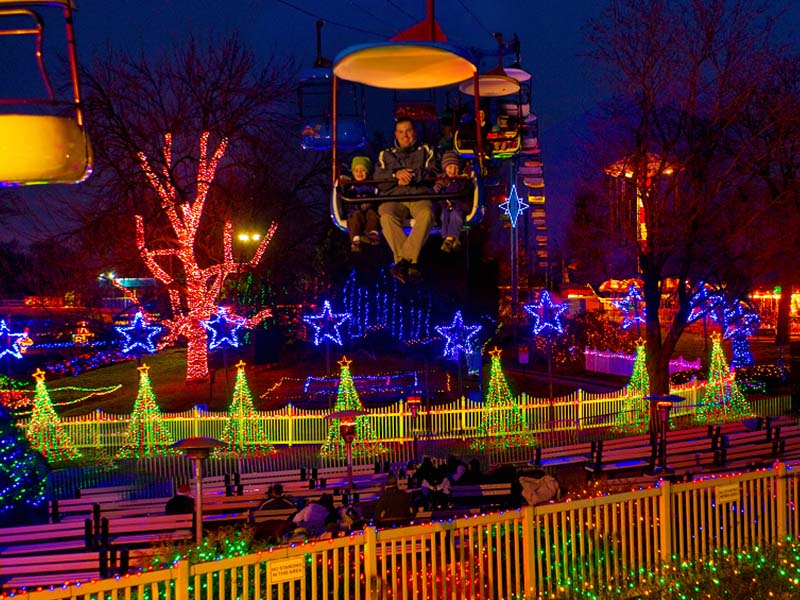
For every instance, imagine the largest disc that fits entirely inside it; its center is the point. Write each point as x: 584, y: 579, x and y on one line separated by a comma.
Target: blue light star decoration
x: 224, y: 329
x: 631, y: 306
x: 12, y: 344
x: 457, y: 336
x: 546, y: 315
x: 139, y: 335
x: 704, y: 302
x: 326, y: 324
x: 514, y: 206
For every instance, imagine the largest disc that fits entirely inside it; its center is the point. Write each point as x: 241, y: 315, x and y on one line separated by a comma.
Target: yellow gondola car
x: 42, y: 139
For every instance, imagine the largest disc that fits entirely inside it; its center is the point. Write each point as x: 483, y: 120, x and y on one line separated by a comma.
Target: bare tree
x: 683, y: 72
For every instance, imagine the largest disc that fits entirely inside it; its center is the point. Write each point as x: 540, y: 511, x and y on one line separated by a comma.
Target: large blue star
x: 457, y: 336
x: 224, y: 329
x: 11, y: 344
x: 514, y: 206
x: 139, y: 335
x: 630, y: 306
x: 546, y: 315
x: 326, y: 324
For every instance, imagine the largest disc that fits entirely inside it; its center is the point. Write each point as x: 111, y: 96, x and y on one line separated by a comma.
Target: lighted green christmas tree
x: 723, y: 401
x: 147, y: 434
x: 45, y: 430
x: 23, y: 473
x: 634, y: 417
x: 502, y: 423
x: 366, y: 441
x: 243, y: 432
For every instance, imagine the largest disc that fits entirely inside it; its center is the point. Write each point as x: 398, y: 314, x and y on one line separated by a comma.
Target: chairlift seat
x: 37, y: 149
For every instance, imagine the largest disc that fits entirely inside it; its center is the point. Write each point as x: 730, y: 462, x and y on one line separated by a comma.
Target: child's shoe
x: 374, y: 237
x: 456, y: 245
x: 447, y: 245
x: 355, y: 245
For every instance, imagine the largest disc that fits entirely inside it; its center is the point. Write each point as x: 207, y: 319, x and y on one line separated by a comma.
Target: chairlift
x: 504, y: 138
x: 42, y: 138
x: 418, y: 58
x: 314, y: 105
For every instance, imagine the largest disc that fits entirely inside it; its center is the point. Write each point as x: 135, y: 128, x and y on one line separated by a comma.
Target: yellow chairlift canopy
x: 404, y: 65
x: 493, y: 83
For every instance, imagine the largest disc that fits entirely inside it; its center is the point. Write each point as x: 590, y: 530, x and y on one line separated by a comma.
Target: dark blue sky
x: 550, y: 33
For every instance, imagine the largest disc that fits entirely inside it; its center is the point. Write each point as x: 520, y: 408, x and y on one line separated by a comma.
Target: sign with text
x: 290, y: 569
x: 726, y: 494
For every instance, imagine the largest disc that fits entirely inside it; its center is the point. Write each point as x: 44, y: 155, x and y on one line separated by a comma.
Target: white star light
x: 457, y: 336
x: 11, y: 344
x: 326, y: 324
x: 546, y: 315
x: 514, y: 206
x: 139, y: 335
x: 224, y: 329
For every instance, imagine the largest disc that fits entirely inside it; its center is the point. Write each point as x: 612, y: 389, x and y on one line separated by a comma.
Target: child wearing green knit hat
x: 362, y: 221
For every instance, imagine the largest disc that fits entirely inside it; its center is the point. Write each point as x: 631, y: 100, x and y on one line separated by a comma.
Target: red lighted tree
x: 194, y: 289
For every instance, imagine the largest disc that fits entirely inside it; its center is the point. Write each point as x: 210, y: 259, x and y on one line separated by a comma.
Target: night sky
x: 551, y: 33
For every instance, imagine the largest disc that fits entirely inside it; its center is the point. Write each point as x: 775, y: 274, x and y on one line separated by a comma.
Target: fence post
x: 665, y: 521
x: 181, y: 571
x: 528, y: 552
x: 401, y: 429
x: 371, y: 562
x: 463, y: 412
x: 579, y: 415
x: 781, y: 496
x: 195, y: 421
x: 289, y: 412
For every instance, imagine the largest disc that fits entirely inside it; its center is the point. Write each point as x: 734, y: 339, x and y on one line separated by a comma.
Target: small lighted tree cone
x: 45, y: 430
x: 502, y: 425
x: 366, y: 441
x: 243, y: 432
x: 23, y: 471
x: 634, y: 417
x: 723, y: 401
x: 147, y: 434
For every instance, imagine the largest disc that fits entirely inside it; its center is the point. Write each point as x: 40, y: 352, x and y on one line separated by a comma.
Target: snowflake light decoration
x: 514, y: 206
x: 224, y: 329
x: 631, y: 307
x: 457, y: 336
x: 138, y: 335
x: 546, y: 315
x: 13, y: 344
x: 326, y: 324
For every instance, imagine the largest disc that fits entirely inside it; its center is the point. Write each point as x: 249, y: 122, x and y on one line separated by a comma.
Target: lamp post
x: 347, y: 429
x: 660, y: 406
x: 198, y: 449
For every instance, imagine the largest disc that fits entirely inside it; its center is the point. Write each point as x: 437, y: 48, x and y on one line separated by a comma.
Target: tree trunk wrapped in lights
x: 634, y: 417
x: 45, y: 431
x: 193, y: 290
x: 147, y: 434
x: 243, y: 432
x: 502, y: 423
x: 366, y: 442
x: 723, y: 400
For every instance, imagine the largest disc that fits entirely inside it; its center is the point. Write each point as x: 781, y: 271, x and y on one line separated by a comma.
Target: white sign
x: 726, y: 494
x: 290, y: 569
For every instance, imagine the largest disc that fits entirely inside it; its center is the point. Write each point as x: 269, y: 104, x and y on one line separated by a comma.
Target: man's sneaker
x: 374, y: 237
x: 413, y: 274
x: 355, y: 246
x: 456, y: 245
x: 447, y: 245
x: 400, y: 270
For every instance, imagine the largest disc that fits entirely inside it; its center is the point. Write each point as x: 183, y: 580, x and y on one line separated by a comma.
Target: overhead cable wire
x: 404, y: 11
x: 364, y: 9
x: 477, y: 20
x: 329, y: 21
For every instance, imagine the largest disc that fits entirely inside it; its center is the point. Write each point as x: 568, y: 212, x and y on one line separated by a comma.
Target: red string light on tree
x: 194, y: 297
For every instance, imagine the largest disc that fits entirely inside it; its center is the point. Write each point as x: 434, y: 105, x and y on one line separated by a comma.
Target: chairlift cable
x: 477, y: 20
x: 364, y: 9
x: 329, y: 21
x: 404, y: 11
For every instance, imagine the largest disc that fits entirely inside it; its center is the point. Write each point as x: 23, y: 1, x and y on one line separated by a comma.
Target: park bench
x: 49, y: 537
x: 146, y: 530
x: 481, y: 495
x: 56, y: 568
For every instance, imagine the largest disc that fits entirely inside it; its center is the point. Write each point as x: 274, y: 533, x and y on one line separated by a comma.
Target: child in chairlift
x: 362, y: 221
x: 454, y: 210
